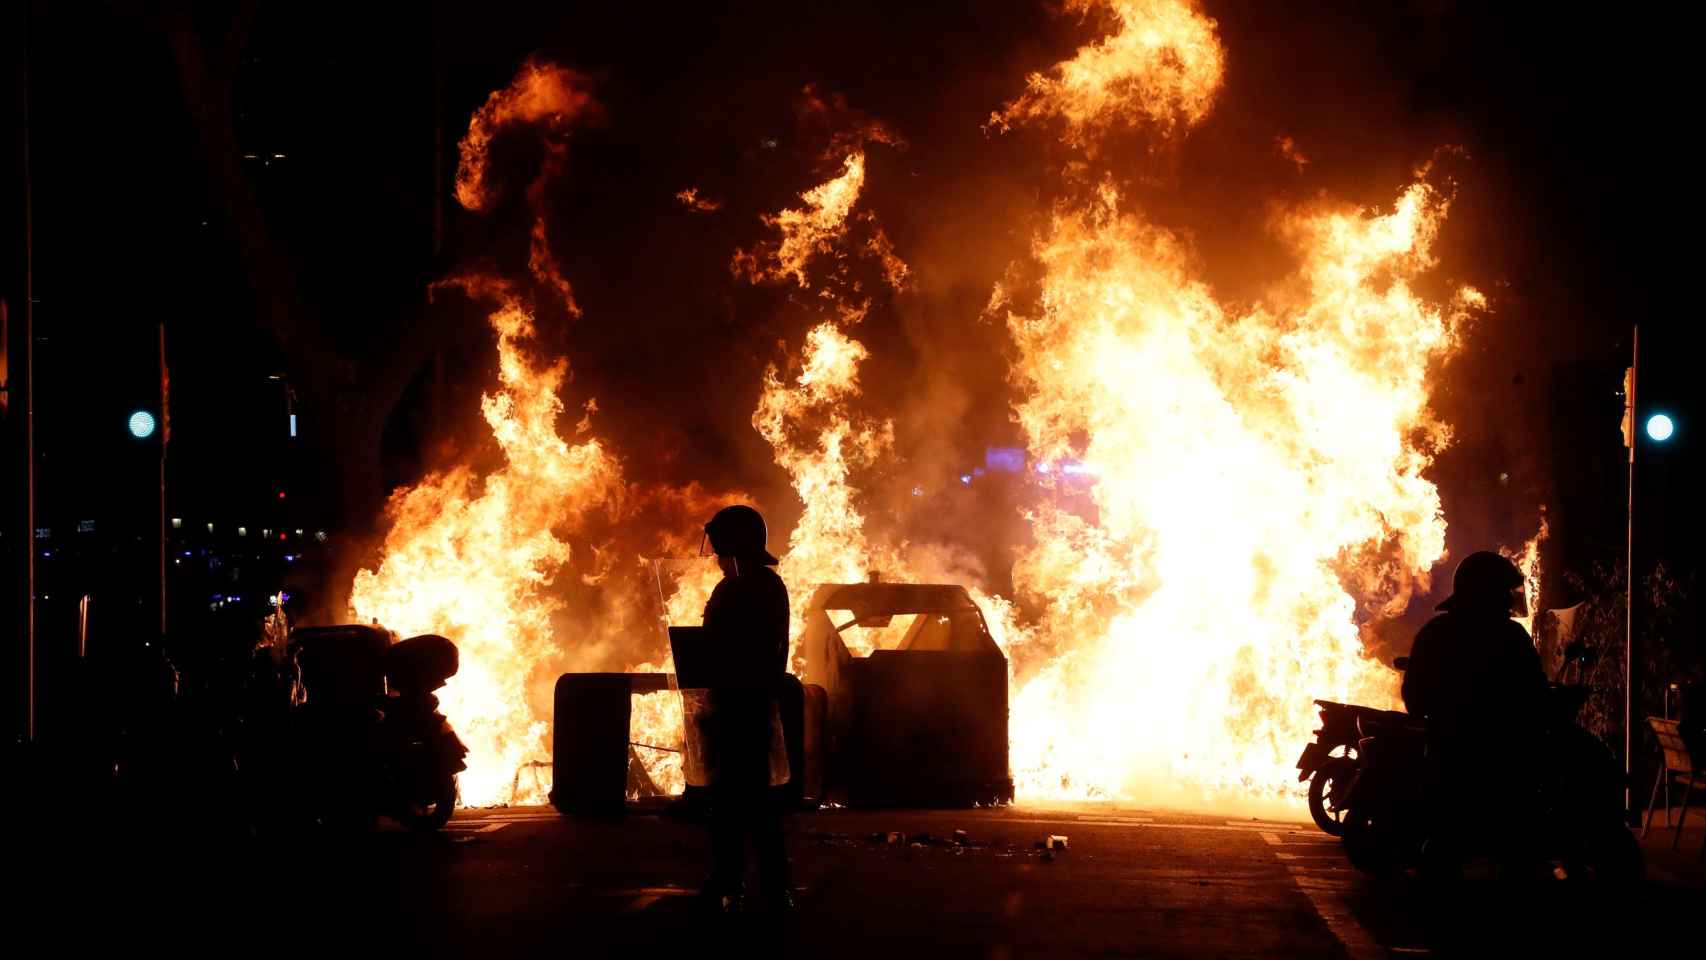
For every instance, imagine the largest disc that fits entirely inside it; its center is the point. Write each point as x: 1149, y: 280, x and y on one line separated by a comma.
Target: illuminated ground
x: 528, y: 882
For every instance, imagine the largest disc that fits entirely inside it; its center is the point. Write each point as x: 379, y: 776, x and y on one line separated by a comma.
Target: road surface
x: 528, y: 882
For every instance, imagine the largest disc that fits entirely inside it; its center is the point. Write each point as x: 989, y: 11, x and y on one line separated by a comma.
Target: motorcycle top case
x: 421, y: 664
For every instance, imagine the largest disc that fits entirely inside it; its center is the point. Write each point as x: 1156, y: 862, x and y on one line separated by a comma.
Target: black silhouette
x: 747, y: 617
x: 368, y: 740
x: 1484, y: 722
x: 1332, y: 760
x: 1472, y: 668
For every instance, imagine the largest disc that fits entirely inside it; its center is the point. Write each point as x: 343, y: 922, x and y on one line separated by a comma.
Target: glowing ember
x: 696, y: 202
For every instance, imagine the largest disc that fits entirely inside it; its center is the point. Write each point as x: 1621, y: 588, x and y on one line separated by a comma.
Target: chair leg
x: 1682, y: 818
x: 1653, y: 800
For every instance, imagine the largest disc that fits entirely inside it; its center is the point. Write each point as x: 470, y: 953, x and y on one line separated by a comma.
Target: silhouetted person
x: 1474, y: 672
x: 747, y: 616
x: 1476, y: 677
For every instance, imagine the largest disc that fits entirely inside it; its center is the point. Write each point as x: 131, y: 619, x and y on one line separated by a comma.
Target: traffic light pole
x: 19, y: 290
x: 1630, y: 676
x: 165, y: 438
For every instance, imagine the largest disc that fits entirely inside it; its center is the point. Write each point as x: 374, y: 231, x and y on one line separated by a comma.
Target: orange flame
x: 1244, y: 468
x: 541, y: 92
x: 1528, y: 561
x: 1286, y: 147
x: 1247, y: 471
x: 473, y: 559
x: 1163, y: 64
x: 806, y: 231
x: 692, y: 200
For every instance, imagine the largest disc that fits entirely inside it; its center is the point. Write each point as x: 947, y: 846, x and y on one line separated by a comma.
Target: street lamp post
x: 1629, y: 676
x: 165, y: 438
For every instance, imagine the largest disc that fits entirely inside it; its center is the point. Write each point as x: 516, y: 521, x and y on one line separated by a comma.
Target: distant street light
x: 142, y: 424
x: 1659, y: 427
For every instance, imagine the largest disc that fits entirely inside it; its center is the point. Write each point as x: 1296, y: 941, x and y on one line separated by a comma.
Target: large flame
x: 1245, y: 470
x: 473, y: 559
x: 1162, y: 64
x: 1248, y: 469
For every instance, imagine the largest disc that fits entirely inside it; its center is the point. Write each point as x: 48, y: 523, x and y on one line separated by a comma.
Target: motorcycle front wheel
x: 1326, y: 790
x: 430, y: 808
x: 1367, y: 845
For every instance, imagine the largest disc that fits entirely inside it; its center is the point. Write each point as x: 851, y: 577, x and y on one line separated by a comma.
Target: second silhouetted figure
x: 747, y: 617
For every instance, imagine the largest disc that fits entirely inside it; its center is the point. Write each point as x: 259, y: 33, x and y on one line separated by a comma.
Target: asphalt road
x: 527, y: 882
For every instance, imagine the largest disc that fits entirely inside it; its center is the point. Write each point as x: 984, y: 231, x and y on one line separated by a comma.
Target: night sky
x: 272, y: 182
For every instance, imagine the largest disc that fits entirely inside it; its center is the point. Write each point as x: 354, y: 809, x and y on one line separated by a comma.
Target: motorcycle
x: 422, y: 753
x: 1569, y: 815
x: 368, y: 738
x: 1331, y: 761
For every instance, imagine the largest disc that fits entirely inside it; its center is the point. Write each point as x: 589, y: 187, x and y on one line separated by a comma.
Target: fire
x: 819, y: 443
x: 808, y: 417
x: 542, y: 92
x: 473, y: 559
x: 1248, y: 492
x: 806, y: 231
x: 1250, y: 468
x: 1163, y: 64
x: 1528, y: 561
x: 1286, y: 147
x: 693, y: 200
x: 1247, y: 468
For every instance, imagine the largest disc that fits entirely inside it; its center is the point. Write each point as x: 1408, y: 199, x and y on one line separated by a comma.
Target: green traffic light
x: 1660, y: 427
x: 141, y: 424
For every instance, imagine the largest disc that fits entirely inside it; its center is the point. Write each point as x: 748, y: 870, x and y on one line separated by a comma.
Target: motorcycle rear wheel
x: 1329, y: 784
x: 424, y: 814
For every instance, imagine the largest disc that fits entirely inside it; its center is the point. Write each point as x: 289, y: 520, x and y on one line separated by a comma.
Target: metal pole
x: 1629, y: 673
x: 21, y: 388
x: 165, y: 437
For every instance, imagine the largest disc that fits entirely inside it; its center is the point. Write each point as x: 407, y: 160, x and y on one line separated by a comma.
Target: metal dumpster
x: 923, y: 722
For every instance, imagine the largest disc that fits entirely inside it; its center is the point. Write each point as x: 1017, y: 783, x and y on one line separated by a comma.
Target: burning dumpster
x: 921, y: 718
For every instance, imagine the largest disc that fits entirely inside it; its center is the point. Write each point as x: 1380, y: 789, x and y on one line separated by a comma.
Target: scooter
x: 368, y: 739
x: 1397, y: 816
x: 422, y: 755
x: 1331, y: 760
